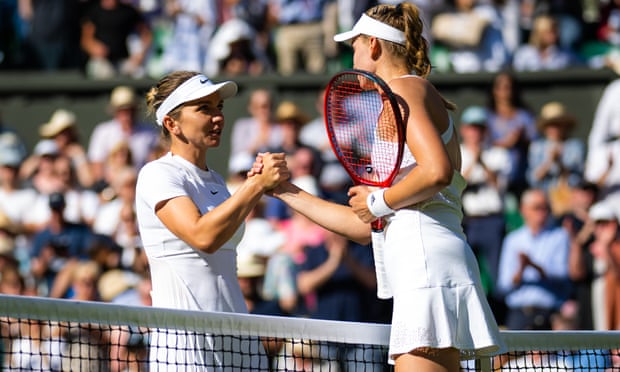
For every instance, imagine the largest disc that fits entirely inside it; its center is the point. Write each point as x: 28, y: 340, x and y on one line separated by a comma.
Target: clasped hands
x: 275, y: 164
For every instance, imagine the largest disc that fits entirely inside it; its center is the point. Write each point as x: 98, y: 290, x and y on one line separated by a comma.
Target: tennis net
x: 42, y: 334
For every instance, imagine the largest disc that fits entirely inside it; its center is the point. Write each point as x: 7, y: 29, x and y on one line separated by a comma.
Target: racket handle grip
x: 378, y: 225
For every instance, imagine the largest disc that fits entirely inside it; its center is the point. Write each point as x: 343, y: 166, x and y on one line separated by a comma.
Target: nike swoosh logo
x: 203, y: 81
x: 213, y: 192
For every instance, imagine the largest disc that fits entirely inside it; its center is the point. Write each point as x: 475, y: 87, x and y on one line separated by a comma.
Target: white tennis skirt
x: 438, y: 297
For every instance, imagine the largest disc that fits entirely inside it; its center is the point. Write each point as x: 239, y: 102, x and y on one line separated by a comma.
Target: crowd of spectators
x: 138, y: 38
x: 541, y: 217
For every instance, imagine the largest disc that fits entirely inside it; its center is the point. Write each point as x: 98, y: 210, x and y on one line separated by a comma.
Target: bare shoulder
x: 415, y: 89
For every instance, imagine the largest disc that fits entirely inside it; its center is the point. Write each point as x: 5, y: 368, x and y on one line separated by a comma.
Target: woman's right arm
x: 332, y: 216
x: 209, y: 231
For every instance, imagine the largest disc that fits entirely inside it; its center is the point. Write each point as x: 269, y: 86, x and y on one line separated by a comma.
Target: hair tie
x: 399, y: 8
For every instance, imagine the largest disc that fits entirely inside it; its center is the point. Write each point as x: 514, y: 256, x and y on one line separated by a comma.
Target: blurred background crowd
x: 541, y: 209
x: 106, y: 38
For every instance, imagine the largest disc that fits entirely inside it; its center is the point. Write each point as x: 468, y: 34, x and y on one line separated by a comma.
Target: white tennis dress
x: 434, y: 277
x: 185, y: 278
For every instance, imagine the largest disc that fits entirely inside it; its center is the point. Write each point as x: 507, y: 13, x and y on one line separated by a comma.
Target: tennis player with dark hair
x: 440, y: 309
x: 189, y: 223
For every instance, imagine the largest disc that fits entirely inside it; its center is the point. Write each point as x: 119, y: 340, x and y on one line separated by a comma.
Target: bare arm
x: 423, y: 108
x: 208, y: 232
x: 332, y: 216
x: 93, y: 47
x: 426, y: 119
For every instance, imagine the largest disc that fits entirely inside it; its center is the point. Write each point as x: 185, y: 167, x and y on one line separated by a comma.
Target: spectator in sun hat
x: 556, y: 160
x: 557, y: 155
x: 290, y: 118
x: 124, y: 125
x: 62, y: 128
x: 251, y: 270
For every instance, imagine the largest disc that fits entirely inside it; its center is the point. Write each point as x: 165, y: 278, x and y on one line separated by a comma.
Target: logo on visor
x: 202, y: 81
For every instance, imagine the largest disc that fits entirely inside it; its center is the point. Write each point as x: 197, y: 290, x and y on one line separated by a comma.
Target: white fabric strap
x: 193, y: 88
x: 376, y: 204
x: 369, y: 26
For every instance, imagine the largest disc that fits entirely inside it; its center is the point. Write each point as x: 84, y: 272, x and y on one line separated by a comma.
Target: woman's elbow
x: 203, y: 243
x: 442, y: 177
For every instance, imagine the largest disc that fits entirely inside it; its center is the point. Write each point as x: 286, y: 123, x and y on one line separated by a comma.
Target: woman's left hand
x: 357, y: 201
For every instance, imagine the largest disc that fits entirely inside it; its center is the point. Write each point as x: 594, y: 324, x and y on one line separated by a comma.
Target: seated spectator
x: 11, y: 280
x: 556, y: 160
x: 62, y: 128
x: 117, y: 218
x: 593, y: 266
x: 512, y: 125
x: 258, y: 131
x: 81, y: 204
x: 298, y: 32
x: 120, y: 287
x: 58, y: 243
x: 260, y: 238
x: 543, y: 51
x: 15, y: 199
x: 125, y: 125
x: 533, y: 269
x: 193, y: 24
x: 471, y: 32
x: 485, y: 168
x: 37, y: 171
x: 84, y: 277
x: 9, y: 139
x: 105, y: 35
x: 233, y: 51
x: 291, y: 119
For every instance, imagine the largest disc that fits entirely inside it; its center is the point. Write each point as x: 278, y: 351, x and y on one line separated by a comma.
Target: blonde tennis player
x: 440, y: 310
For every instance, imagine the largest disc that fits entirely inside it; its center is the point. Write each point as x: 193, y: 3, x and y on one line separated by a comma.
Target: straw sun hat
x: 555, y: 113
x: 289, y: 111
x: 122, y: 97
x: 61, y: 119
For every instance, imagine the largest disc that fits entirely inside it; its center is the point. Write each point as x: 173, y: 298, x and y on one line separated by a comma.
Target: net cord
x: 235, y: 324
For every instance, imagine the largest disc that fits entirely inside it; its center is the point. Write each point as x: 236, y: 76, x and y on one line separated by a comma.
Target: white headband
x: 369, y: 26
x: 193, y: 88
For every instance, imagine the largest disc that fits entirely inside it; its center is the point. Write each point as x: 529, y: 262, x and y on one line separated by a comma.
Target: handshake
x: 269, y: 170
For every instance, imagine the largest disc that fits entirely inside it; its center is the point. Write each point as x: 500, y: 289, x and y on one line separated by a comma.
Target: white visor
x: 195, y: 87
x: 369, y: 26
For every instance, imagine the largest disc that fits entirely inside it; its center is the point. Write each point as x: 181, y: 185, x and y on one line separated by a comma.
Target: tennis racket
x: 366, y: 131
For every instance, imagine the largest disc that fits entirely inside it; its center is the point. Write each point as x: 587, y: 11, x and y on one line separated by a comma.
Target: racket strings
x: 363, y: 128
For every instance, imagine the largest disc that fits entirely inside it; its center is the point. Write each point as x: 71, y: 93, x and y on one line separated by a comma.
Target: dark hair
x: 57, y: 201
x: 516, y: 94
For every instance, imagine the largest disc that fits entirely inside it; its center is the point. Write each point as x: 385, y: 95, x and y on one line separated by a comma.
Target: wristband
x: 376, y: 204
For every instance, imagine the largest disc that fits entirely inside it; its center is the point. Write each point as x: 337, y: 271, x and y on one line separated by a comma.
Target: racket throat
x: 378, y: 225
